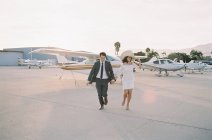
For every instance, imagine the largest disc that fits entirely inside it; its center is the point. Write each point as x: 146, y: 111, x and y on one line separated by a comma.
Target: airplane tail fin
x: 175, y: 60
x: 192, y: 61
x: 181, y: 61
x: 61, y: 59
x: 152, y: 59
x: 88, y: 61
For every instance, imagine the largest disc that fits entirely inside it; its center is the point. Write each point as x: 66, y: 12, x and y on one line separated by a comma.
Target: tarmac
x: 36, y: 104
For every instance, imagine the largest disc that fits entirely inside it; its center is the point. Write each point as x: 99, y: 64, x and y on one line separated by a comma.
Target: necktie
x: 101, y: 74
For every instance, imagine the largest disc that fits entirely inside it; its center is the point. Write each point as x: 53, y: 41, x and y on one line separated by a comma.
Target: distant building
x: 27, y: 55
x: 9, y: 56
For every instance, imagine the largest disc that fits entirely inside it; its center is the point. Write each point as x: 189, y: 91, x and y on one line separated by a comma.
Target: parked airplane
x: 33, y: 63
x: 199, y: 66
x: 82, y: 67
x: 163, y: 65
x: 208, y: 67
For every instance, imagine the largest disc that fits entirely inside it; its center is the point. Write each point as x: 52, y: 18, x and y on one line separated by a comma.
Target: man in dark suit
x: 102, y: 74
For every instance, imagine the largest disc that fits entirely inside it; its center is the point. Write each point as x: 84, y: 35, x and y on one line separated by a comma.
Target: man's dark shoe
x: 101, y: 108
x: 105, y: 100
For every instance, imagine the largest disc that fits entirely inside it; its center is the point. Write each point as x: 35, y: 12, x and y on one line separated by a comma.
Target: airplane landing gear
x: 180, y: 75
x: 166, y: 73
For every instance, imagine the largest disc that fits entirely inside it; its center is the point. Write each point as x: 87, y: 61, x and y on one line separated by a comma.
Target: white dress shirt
x: 104, y: 72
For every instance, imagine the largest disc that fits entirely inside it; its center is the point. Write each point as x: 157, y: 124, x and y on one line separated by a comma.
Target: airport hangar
x: 9, y: 56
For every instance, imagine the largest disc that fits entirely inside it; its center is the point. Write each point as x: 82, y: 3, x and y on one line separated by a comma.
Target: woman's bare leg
x: 124, y: 97
x: 129, y: 96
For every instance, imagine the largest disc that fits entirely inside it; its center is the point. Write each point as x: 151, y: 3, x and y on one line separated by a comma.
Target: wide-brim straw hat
x: 127, y: 53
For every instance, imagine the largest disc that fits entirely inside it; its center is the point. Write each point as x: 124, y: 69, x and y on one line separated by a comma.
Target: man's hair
x: 102, y: 53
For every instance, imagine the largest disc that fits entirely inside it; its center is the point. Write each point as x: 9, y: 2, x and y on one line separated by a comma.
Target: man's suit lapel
x: 97, y: 67
x: 106, y: 66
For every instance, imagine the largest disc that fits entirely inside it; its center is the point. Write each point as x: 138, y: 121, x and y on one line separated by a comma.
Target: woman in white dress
x: 127, y: 80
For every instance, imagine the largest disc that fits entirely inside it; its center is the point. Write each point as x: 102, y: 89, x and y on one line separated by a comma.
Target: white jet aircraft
x: 163, y: 65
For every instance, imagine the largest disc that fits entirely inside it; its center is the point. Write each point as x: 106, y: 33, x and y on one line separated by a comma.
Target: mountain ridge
x: 206, y: 49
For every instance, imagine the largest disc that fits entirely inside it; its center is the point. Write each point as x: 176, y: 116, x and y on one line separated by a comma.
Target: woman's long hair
x: 125, y: 59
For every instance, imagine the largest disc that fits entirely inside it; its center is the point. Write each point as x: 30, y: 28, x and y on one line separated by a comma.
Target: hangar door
x: 10, y: 58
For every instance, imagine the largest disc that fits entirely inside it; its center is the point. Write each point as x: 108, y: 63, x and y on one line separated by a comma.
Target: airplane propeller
x: 185, y: 67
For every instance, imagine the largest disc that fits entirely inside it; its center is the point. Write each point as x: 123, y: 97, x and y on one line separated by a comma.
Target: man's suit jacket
x: 95, y: 70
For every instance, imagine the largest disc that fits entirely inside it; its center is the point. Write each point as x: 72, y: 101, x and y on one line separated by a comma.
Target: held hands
x: 112, y: 81
x: 88, y: 83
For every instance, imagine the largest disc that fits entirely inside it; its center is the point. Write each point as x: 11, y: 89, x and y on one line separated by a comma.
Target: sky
x: 95, y: 25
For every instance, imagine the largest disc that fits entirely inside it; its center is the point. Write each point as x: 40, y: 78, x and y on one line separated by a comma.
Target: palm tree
x: 152, y: 53
x: 147, y: 50
x: 117, y: 47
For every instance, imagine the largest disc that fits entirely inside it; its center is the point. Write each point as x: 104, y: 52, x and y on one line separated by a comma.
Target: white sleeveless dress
x: 128, y: 76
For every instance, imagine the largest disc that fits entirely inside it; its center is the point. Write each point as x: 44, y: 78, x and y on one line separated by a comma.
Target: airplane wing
x: 63, y: 52
x: 152, y: 67
x: 81, y: 67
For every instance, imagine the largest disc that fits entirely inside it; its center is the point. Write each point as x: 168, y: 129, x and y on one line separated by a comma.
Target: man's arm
x: 111, y: 72
x: 92, y: 72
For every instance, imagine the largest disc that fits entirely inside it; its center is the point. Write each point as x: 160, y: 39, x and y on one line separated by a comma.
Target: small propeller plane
x: 33, y: 63
x: 199, y: 66
x: 163, y: 65
x: 82, y: 67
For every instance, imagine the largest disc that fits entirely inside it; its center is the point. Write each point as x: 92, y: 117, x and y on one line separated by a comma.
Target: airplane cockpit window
x: 109, y: 58
x: 169, y: 61
x: 89, y: 61
x: 162, y: 61
x: 156, y: 62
